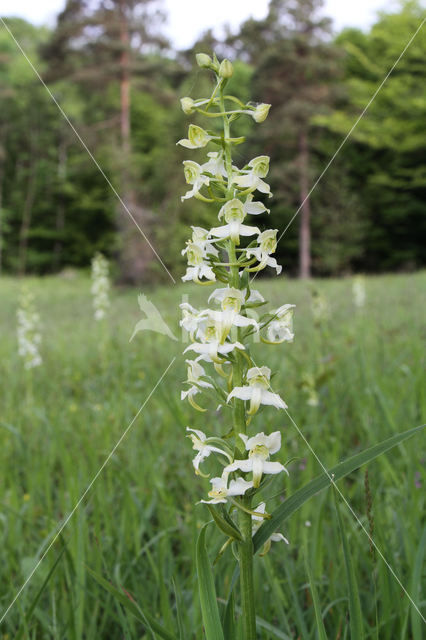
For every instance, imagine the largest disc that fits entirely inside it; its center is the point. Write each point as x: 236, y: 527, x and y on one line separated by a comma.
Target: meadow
x: 138, y: 523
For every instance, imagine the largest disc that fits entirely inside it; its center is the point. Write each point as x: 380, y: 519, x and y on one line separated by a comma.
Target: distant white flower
x: 201, y: 444
x: 29, y: 337
x: 252, y: 178
x: 234, y: 213
x: 257, y: 390
x: 260, y: 448
x: 281, y: 328
x: 358, y: 291
x: 193, y: 175
x: 220, y: 491
x: 100, y: 285
x: 320, y: 308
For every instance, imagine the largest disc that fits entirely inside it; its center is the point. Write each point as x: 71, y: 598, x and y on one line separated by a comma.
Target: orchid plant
x: 222, y: 366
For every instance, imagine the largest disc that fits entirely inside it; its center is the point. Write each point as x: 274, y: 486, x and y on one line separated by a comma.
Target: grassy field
x: 138, y: 523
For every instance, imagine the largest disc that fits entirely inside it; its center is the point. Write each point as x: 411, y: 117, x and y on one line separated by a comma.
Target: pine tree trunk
x: 2, y: 156
x: 26, y: 219
x: 305, y: 211
x: 135, y: 254
x: 60, y: 211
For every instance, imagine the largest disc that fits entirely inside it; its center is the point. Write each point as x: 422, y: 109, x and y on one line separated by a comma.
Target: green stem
x: 246, y: 576
x: 240, y: 425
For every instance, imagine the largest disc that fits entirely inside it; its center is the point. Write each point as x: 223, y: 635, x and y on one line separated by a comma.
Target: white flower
x: 188, y: 105
x: 210, y: 333
x: 197, y: 138
x: 252, y: 179
x: 257, y: 390
x: 231, y: 301
x: 195, y: 373
x: 254, y: 208
x: 29, y: 337
x: 216, y: 164
x: 100, y: 286
x: 234, y: 214
x: 197, y: 268
x: 257, y: 523
x: 260, y: 447
x: 267, y: 241
x: 261, y: 112
x: 281, y: 328
x: 220, y: 491
x: 190, y: 318
x: 201, y: 444
x: 200, y: 237
x: 358, y: 291
x: 320, y: 308
x: 193, y: 175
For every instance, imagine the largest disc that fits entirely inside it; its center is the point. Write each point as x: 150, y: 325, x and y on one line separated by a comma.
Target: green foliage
x: 137, y: 525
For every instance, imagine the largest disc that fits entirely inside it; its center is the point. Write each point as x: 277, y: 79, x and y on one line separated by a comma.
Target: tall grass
x: 137, y: 527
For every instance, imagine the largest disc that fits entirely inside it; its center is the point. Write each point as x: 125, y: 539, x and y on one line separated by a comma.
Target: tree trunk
x: 2, y: 156
x: 26, y: 219
x: 135, y: 254
x: 60, y: 211
x: 305, y: 210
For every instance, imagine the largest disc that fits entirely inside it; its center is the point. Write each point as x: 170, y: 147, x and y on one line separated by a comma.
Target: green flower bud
x: 226, y: 69
x: 204, y: 61
x: 261, y: 112
x: 187, y: 105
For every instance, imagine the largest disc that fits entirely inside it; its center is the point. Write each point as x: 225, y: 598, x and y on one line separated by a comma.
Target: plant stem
x: 240, y: 425
x: 246, y: 576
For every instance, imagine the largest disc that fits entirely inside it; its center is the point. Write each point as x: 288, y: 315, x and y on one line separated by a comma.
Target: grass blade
x: 33, y: 605
x: 318, y: 617
x: 341, y: 470
x: 355, y: 614
x: 208, y: 600
x: 132, y: 607
x: 229, y: 626
x: 416, y: 582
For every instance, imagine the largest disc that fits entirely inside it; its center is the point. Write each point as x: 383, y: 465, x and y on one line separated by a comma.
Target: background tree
x: 295, y: 68
x: 108, y: 46
x: 387, y: 150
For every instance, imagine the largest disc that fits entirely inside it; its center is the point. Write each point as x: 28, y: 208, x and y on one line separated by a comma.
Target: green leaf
x: 229, y: 626
x: 132, y: 607
x: 355, y: 614
x: 33, y: 605
x: 208, y: 600
x: 416, y: 584
x: 225, y: 525
x: 341, y: 470
x: 320, y: 624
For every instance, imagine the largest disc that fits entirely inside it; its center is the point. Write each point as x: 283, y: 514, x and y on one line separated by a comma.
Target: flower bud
x: 204, y: 61
x: 226, y: 69
x: 187, y: 105
x: 261, y: 112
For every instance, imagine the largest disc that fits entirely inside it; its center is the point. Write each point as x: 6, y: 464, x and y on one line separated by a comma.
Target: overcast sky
x: 188, y: 18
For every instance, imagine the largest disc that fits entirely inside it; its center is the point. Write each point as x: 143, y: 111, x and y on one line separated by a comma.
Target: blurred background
x: 118, y: 69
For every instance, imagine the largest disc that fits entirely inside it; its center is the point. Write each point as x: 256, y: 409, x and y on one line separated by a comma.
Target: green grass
x: 138, y: 524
